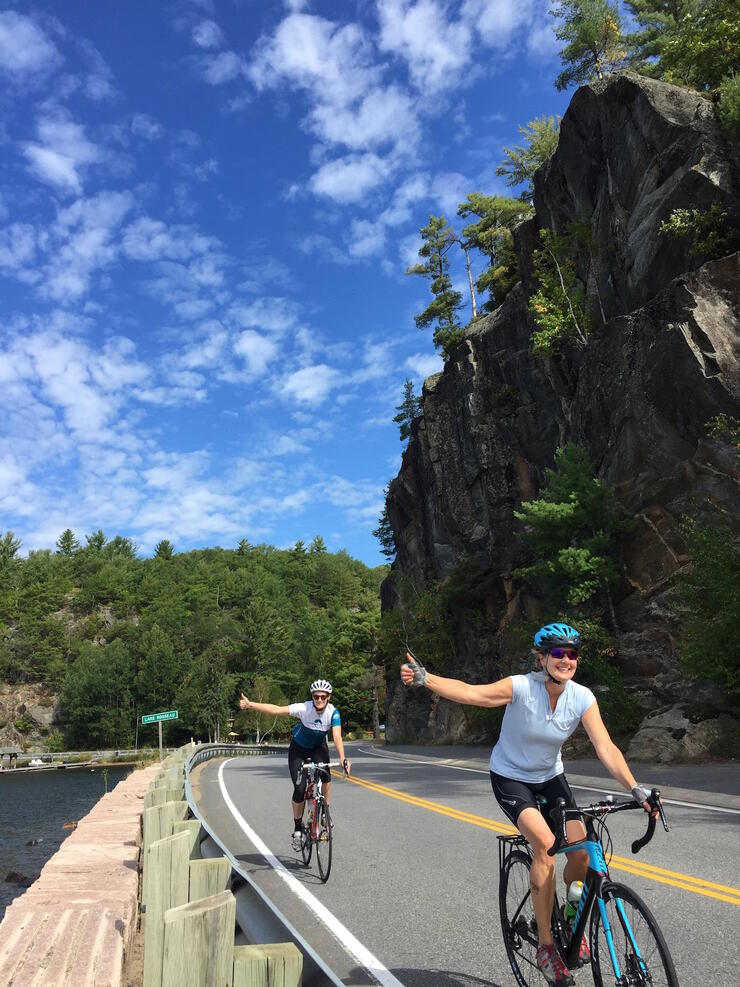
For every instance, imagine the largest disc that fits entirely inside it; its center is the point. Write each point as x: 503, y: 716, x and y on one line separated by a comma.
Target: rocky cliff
x: 662, y: 361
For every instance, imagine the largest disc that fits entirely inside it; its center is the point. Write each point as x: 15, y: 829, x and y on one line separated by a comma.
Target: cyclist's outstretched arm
x: 492, y: 694
x: 270, y: 708
x: 608, y: 752
x: 336, y: 736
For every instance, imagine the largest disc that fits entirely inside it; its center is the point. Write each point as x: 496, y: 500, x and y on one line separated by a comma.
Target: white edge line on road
x: 443, y: 763
x: 363, y: 956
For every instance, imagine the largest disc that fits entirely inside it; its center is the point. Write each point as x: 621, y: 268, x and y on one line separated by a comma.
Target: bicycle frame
x: 596, y: 876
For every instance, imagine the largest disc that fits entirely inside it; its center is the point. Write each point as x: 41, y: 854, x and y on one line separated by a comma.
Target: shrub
x: 728, y: 107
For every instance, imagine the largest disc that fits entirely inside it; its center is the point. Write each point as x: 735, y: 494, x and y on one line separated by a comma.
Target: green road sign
x: 156, y: 717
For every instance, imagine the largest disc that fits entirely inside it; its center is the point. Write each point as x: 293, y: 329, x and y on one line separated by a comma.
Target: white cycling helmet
x: 320, y: 685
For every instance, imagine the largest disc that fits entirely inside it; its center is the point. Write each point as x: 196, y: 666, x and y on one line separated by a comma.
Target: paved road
x: 415, y: 860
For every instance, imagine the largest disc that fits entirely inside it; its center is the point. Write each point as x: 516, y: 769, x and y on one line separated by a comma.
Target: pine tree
x: 522, y: 161
x: 96, y: 541
x: 438, y: 238
x: 384, y: 531
x: 408, y: 409
x: 496, y: 214
x: 164, y: 549
x: 594, y: 46
x: 9, y: 547
x: 318, y: 546
x: 67, y: 544
x: 659, y: 20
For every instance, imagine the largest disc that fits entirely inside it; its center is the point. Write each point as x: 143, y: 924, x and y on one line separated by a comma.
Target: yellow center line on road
x: 673, y: 878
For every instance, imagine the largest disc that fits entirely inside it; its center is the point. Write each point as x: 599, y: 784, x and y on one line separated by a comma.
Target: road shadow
x: 439, y: 978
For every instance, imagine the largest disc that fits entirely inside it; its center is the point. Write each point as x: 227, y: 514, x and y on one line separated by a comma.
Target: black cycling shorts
x: 296, y: 756
x: 513, y: 796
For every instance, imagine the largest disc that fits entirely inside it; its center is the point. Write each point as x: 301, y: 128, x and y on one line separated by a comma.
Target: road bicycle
x: 317, y: 828
x: 626, y: 944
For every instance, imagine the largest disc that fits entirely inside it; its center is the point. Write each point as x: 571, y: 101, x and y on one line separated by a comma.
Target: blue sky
x: 206, y: 211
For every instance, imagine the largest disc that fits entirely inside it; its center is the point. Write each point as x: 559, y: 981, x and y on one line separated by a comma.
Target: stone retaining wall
x: 72, y: 927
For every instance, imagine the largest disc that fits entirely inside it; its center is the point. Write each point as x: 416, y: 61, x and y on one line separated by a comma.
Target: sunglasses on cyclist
x: 560, y: 653
x: 321, y: 696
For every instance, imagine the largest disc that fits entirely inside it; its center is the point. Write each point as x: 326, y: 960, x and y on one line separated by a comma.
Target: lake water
x: 34, y: 805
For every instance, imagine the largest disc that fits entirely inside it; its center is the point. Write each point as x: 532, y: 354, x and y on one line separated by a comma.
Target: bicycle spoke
x: 637, y: 944
x: 517, y: 919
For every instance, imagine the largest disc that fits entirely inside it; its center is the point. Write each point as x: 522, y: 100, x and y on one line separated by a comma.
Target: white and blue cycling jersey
x: 313, y: 727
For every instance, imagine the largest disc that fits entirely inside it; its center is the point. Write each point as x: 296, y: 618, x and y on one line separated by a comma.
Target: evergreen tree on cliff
x: 491, y: 234
x: 438, y: 237
x: 592, y: 32
x: 522, y: 161
x: 659, y: 21
x: 408, y: 409
x: 67, y: 544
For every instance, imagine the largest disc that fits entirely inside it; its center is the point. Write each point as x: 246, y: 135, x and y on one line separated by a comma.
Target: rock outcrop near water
x: 664, y: 360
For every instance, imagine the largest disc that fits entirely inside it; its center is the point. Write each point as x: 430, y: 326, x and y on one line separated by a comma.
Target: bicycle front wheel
x: 307, y: 845
x: 640, y: 950
x: 323, y: 840
x: 518, y: 923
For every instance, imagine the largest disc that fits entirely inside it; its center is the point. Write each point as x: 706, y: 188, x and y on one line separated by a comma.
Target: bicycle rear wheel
x: 639, y: 946
x: 323, y: 840
x: 518, y: 923
x: 307, y: 846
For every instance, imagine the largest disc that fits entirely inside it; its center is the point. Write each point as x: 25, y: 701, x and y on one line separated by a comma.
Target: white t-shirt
x: 313, y: 726
x: 528, y: 748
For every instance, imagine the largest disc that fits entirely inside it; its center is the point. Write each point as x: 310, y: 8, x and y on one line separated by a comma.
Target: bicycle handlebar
x: 560, y: 814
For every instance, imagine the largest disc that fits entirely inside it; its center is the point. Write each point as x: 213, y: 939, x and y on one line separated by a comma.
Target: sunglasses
x: 560, y: 653
x: 322, y: 697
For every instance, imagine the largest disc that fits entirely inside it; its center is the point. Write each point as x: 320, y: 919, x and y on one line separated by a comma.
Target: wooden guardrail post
x: 158, y: 824
x: 272, y: 965
x: 208, y: 877
x: 192, y: 827
x: 199, y: 943
x: 167, y: 865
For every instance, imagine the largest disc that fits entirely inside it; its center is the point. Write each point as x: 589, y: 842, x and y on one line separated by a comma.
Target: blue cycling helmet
x: 557, y: 636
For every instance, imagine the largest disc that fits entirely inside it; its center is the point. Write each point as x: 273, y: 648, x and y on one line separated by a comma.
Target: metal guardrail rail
x: 258, y: 918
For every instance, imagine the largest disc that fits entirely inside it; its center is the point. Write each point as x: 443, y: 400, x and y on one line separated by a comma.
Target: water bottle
x: 575, y: 889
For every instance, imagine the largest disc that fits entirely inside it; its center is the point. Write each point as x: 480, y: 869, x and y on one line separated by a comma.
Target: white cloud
x: 207, y: 34
x: 380, y: 117
x: 148, y: 239
x: 312, y: 384
x: 223, y: 67
x: 349, y: 179
x: 63, y: 152
x: 423, y: 365
x: 435, y: 49
x: 24, y: 48
x: 496, y: 20
x: 17, y: 246
x: 145, y: 126
x: 256, y: 350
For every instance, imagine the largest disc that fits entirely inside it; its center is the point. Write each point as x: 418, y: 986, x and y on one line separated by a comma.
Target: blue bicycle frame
x: 597, y: 876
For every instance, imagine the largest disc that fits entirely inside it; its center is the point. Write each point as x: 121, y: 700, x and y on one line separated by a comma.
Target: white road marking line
x: 445, y: 763
x: 363, y: 956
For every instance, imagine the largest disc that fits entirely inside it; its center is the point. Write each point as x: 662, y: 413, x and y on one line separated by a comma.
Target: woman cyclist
x: 315, y: 718
x: 543, y: 709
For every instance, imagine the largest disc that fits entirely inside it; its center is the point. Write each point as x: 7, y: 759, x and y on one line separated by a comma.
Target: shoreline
x: 76, y: 921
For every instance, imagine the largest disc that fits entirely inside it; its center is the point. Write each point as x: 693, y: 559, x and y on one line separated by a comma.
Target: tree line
x: 118, y: 635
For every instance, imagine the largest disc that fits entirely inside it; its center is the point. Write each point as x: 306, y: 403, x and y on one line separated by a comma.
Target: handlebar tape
x: 639, y: 844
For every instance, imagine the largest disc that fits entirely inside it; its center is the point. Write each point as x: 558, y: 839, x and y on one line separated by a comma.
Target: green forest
x: 119, y: 636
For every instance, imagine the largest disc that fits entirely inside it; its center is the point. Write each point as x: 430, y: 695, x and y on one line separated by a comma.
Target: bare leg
x: 576, y: 864
x: 297, y: 810
x: 327, y: 791
x: 532, y: 825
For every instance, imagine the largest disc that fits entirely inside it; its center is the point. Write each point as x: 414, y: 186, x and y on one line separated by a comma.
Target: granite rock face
x: 664, y: 360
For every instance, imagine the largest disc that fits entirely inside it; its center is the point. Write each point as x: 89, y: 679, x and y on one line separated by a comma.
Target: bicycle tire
x: 656, y: 968
x: 307, y: 846
x: 518, y: 923
x: 323, y: 841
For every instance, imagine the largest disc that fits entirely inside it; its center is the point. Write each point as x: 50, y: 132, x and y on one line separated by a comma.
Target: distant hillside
x: 91, y: 637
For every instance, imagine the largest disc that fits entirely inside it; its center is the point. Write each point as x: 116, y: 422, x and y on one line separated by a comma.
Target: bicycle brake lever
x: 655, y: 800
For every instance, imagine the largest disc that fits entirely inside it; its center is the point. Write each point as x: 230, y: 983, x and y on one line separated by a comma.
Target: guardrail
x: 256, y: 915
x: 205, y: 919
